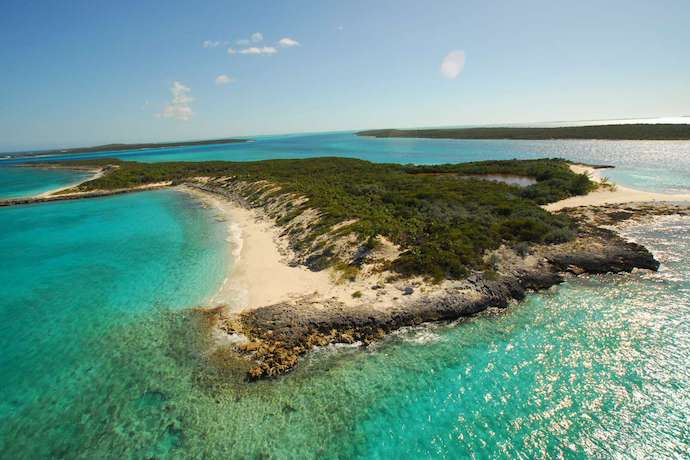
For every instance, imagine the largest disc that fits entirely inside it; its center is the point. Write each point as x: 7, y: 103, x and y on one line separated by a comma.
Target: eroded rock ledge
x: 273, y: 337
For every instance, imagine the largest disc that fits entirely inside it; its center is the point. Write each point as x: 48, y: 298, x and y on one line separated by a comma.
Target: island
x: 339, y: 250
x: 646, y: 131
x: 124, y: 147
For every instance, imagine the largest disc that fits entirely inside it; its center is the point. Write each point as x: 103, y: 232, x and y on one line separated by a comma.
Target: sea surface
x: 17, y: 182
x: 661, y: 166
x: 100, y: 357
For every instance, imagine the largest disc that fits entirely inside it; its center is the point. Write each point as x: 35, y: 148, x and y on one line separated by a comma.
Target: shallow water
x: 101, y: 359
x: 73, y: 271
x: 595, y: 367
x: 24, y: 182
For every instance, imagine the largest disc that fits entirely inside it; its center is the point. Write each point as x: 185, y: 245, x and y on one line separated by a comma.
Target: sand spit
x: 611, y: 193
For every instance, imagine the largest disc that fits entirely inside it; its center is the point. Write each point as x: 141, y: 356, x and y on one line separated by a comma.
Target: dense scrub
x: 631, y: 131
x: 442, y: 220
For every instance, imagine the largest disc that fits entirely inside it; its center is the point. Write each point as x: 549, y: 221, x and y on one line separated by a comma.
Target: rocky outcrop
x: 599, y: 251
x: 273, y: 337
x: 278, y: 334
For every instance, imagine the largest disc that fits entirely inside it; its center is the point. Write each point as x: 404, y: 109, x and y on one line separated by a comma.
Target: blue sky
x: 90, y: 72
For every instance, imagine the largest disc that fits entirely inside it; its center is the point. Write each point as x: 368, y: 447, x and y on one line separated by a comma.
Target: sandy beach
x: 615, y: 195
x: 259, y: 274
x: 96, y: 174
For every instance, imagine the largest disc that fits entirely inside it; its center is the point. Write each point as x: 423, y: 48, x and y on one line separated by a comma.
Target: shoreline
x: 82, y: 195
x: 288, y: 310
x: 611, y: 194
x: 259, y: 273
x: 96, y: 173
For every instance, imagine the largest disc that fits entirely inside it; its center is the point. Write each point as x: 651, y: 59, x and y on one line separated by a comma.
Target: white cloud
x: 210, y: 44
x: 242, y: 42
x: 453, y: 64
x: 232, y: 51
x: 224, y: 79
x: 257, y: 37
x: 179, y: 108
x: 288, y: 42
x: 256, y: 50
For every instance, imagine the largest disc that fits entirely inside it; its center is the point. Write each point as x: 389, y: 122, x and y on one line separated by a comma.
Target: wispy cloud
x: 224, y: 79
x: 242, y: 42
x: 210, y: 43
x: 257, y: 50
x: 179, y: 108
x: 288, y: 42
x: 285, y: 42
x: 453, y: 64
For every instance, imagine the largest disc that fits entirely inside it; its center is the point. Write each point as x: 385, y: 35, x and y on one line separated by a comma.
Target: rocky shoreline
x: 270, y: 339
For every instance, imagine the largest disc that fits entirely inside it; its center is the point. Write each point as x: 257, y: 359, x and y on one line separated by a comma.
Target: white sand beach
x: 96, y: 174
x: 613, y: 195
x: 259, y: 274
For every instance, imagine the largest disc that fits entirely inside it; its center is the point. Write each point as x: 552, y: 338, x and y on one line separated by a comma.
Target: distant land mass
x: 117, y: 147
x: 657, y: 132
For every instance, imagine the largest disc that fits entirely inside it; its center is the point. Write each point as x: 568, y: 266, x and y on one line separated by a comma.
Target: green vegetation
x: 443, y: 221
x: 613, y: 132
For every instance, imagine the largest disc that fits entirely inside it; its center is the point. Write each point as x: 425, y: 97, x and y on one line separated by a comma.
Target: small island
x: 340, y: 250
x: 125, y: 147
x: 656, y: 132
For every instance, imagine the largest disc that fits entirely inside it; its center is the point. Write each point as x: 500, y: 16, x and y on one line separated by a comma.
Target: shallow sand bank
x: 616, y: 195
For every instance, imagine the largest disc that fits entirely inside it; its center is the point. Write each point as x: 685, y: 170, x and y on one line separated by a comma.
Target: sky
x: 77, y: 73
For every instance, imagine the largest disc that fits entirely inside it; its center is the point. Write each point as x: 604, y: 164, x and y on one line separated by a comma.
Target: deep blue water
x: 99, y: 360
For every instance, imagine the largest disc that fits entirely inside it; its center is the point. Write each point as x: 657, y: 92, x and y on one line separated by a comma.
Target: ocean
x: 100, y: 358
x: 24, y: 182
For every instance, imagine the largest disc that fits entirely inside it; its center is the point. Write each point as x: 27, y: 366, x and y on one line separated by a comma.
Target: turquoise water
x: 73, y: 271
x: 595, y: 368
x: 23, y: 182
x: 101, y: 359
x: 649, y: 165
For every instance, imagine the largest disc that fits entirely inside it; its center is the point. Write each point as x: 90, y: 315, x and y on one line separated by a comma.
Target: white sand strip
x: 259, y: 275
x: 604, y: 196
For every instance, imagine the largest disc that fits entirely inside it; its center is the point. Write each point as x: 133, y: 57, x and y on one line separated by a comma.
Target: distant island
x: 120, y: 147
x: 656, y: 132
